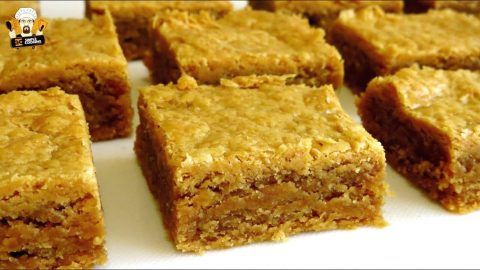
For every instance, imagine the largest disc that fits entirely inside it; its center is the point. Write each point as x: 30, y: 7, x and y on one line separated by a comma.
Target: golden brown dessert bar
x: 9, y: 8
x: 323, y: 13
x: 132, y: 18
x: 82, y: 57
x: 429, y: 122
x: 255, y: 160
x: 373, y: 42
x: 50, y: 211
x: 469, y: 6
x: 241, y: 43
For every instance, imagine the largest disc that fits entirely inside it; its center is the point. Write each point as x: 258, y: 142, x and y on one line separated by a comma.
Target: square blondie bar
x: 323, y: 13
x: 132, y: 18
x: 82, y: 57
x: 429, y: 123
x: 255, y: 160
x: 50, y: 210
x: 374, y: 43
x: 241, y: 43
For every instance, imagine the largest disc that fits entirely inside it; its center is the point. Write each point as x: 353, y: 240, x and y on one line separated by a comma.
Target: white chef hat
x: 26, y: 13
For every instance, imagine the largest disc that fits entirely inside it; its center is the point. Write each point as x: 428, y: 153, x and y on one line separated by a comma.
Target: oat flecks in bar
x: 242, y: 43
x: 82, y: 57
x: 50, y: 210
x: 231, y: 165
x: 323, y: 13
x: 132, y: 18
x: 429, y: 123
x: 374, y: 43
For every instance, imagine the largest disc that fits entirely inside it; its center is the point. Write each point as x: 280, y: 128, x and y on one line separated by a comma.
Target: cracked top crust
x: 446, y: 100
x: 393, y: 38
x: 272, y: 124
x: 44, y: 136
x: 69, y: 43
x: 255, y: 32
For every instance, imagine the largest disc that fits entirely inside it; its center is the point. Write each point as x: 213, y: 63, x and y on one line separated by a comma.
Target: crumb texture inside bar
x: 256, y: 164
x: 88, y: 62
x: 429, y: 123
x: 50, y: 212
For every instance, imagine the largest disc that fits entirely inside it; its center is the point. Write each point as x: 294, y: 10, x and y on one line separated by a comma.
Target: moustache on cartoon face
x: 26, y: 29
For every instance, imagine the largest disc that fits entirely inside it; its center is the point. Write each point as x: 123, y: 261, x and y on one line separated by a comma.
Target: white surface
x: 420, y: 235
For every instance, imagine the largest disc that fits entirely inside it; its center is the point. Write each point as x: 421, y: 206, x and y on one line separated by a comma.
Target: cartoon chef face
x: 26, y: 17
